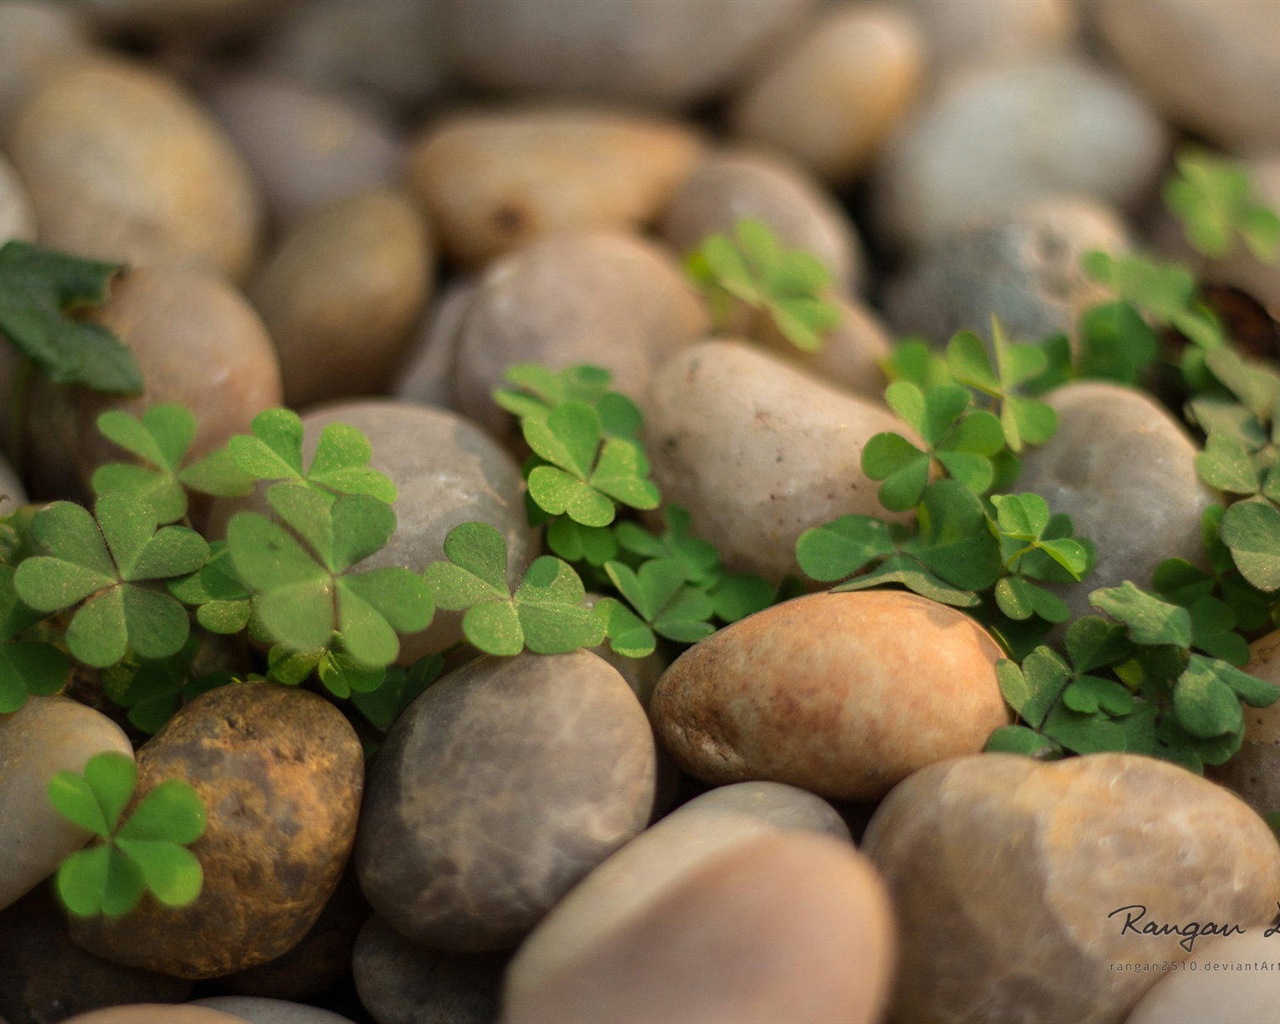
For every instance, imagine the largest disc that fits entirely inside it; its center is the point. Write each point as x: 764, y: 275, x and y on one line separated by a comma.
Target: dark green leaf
x: 842, y: 547
x: 1251, y: 529
x: 1149, y: 620
x: 1018, y: 739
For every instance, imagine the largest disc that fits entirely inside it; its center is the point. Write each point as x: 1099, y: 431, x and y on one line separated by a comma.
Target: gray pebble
x: 497, y: 791
x: 271, y: 1011
x: 401, y: 982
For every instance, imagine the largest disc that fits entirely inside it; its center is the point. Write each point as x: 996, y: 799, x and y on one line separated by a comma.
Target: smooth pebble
x: 497, y: 791
x: 17, y: 216
x: 426, y: 375
x: 961, y: 34
x: 1228, y: 985
x: 151, y: 1013
x: 35, y: 37
x: 256, y: 1010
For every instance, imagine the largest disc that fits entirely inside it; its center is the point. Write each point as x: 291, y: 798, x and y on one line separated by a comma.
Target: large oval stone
x: 786, y: 927
x: 842, y: 694
x: 758, y: 451
x: 45, y: 736
x: 1019, y: 886
x: 34, y: 38
x: 650, y: 866
x: 17, y: 217
x: 492, y: 182
x: 1124, y: 470
x: 256, y: 1010
x: 497, y: 791
x: 280, y: 772
x: 123, y: 166
x: 1233, y: 982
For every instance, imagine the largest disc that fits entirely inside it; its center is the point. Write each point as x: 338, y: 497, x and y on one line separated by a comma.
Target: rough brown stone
x: 1010, y: 880
x: 843, y: 694
x: 491, y: 182
x: 280, y: 773
x: 787, y: 926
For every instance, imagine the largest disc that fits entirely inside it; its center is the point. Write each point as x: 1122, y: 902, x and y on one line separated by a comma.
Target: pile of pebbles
x: 366, y: 210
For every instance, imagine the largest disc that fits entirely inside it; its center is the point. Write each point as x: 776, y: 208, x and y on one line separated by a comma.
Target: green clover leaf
x: 153, y: 690
x: 1212, y: 197
x: 539, y: 390
x: 1116, y: 343
x: 39, y: 288
x: 109, y: 568
x: 160, y: 439
x: 1148, y: 619
x: 400, y: 687
x: 547, y: 613
x: 1167, y: 294
x: 701, y: 561
x: 27, y: 666
x: 1024, y: 420
x: 1251, y: 529
x: 147, y: 853
x: 917, y: 362
x: 662, y: 599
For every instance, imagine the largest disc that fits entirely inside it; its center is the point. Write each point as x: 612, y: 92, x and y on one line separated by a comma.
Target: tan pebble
x: 149, y: 1013
x: 490, y: 182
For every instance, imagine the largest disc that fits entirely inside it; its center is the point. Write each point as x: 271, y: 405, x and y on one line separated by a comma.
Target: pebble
x: 426, y: 376
x: 653, y: 55
x: 17, y: 217
x: 1241, y: 268
x: 43, y: 737
x: 320, y: 960
x: 12, y: 493
x: 280, y: 773
x: 122, y: 165
x: 490, y: 182
x: 850, y: 355
x: 187, y: 21
x: 1024, y: 268
x: 305, y: 148
x: 1254, y: 772
x: 497, y: 791
x: 387, y: 51
x: 654, y: 864
x: 960, y: 34
x: 1212, y: 69
x: 758, y: 451
x: 787, y: 927
x: 270, y: 1011
x: 341, y: 292
x: 606, y: 299
x: 35, y: 36
x: 402, y: 982
x: 831, y: 98
x: 727, y: 186
x: 1226, y: 988
x: 197, y: 341
x: 1006, y: 136
x: 1004, y: 873
x: 447, y: 472
x: 841, y: 694
x: 1124, y: 470
x: 45, y: 977
x: 150, y: 1013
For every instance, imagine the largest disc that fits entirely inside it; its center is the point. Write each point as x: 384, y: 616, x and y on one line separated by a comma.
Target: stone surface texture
x: 497, y: 791
x: 842, y: 694
x: 491, y: 182
x: 271, y: 1011
x: 45, y: 736
x: 788, y: 926
x: 280, y: 773
x: 1254, y: 772
x: 1005, y: 874
x: 17, y: 216
x: 1226, y: 988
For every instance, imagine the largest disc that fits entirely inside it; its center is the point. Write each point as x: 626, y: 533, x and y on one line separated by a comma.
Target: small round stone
x: 605, y: 299
x: 256, y: 1010
x: 850, y: 355
x: 1124, y: 470
x: 497, y: 791
x: 492, y: 182
x: 201, y: 20
x: 1006, y: 136
x: 842, y: 694
x: 786, y: 926
x: 35, y: 38
x: 426, y: 376
x: 45, y: 736
x: 402, y: 982
x: 1018, y: 886
x: 961, y: 34
x: 725, y: 187
x: 653, y: 864
x: 123, y: 166
x: 341, y: 292
x: 280, y: 773
x: 150, y: 1013
x: 305, y: 148
x: 652, y: 54
x: 831, y: 98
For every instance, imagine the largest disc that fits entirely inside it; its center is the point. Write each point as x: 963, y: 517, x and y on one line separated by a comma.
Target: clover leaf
x: 153, y: 690
x: 917, y: 362
x: 1035, y: 545
x: 160, y: 439
x: 306, y: 597
x: 40, y: 292
x: 27, y: 665
x: 547, y: 613
x: 1251, y: 529
x: 147, y: 853
x: 108, y: 566
x: 222, y: 600
x: 539, y: 390
x: 273, y: 452
x: 1148, y: 619
x: 960, y: 440
x: 664, y: 602
x: 1024, y: 420
x: 1167, y: 294
x: 1116, y: 343
x: 700, y: 559
x: 1212, y: 197
x: 581, y: 476
x: 400, y: 687
x: 786, y: 285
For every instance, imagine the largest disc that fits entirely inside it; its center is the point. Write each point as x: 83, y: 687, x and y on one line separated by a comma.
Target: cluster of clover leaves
x: 1159, y: 672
